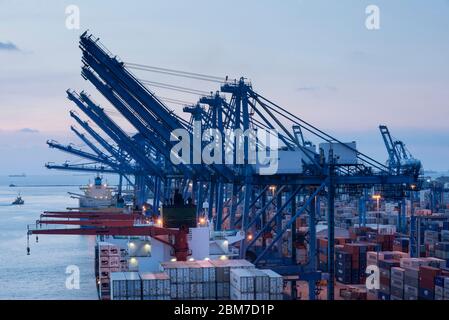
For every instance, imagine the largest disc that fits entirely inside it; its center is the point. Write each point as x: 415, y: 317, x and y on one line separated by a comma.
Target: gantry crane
x: 238, y: 193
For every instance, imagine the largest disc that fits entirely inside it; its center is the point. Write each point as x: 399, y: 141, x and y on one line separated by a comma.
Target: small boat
x: 18, y: 201
x: 12, y: 185
x: 23, y: 175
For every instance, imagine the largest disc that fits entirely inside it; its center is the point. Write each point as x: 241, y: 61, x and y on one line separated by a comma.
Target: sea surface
x: 42, y: 274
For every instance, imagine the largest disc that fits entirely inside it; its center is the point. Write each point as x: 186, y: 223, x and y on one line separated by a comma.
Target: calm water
x: 41, y: 275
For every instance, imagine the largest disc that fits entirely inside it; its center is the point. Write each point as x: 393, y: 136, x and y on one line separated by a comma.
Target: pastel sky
x: 314, y: 57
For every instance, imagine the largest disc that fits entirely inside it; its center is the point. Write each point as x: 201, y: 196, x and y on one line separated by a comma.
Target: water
x: 41, y: 275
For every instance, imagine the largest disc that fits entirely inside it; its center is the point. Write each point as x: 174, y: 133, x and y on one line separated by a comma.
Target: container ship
x: 97, y: 195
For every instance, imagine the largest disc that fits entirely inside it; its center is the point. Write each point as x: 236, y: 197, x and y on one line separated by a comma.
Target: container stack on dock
x: 442, y: 288
x: 397, y: 275
x: 401, y: 244
x: 385, y: 265
x: 353, y: 292
x: 411, y: 277
x: 404, y: 278
x: 199, y: 280
x: 442, y: 251
x: 322, y: 249
x: 426, y: 282
x: 351, y: 262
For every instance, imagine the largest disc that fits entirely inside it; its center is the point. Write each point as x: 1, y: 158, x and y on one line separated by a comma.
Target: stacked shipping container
x: 155, y: 286
x: 351, y: 262
x: 110, y: 259
x: 199, y: 280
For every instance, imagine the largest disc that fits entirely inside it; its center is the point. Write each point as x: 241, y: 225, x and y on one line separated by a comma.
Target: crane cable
x: 175, y: 88
x: 177, y: 73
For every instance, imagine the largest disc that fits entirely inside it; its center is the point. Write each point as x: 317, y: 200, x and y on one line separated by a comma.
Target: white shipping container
x: 177, y: 270
x: 408, y: 296
x: 261, y: 281
x: 412, y: 262
x: 208, y: 271
x: 446, y: 293
x: 410, y: 290
x: 262, y: 296
x: 156, y: 298
x: 196, y: 290
x: 193, y: 272
x: 180, y: 291
x: 155, y: 284
x: 397, y: 283
x: 133, y: 285
x: 182, y: 274
x: 276, y: 281
x: 223, y: 290
x: 209, y: 290
x: 372, y: 256
x: 397, y: 273
x: 237, y: 295
x: 446, y: 282
x: 118, y: 286
x: 436, y: 262
x: 186, y: 291
x: 173, y: 291
x: 242, y: 280
x: 277, y: 296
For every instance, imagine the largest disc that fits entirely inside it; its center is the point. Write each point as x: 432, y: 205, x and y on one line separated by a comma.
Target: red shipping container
x: 341, y: 240
x: 384, y: 280
x: 322, y: 243
x: 444, y: 273
x: 427, y: 277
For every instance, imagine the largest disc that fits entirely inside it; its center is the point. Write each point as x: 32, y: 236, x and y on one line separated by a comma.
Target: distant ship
x: 12, y: 185
x: 23, y: 175
x: 18, y: 201
x: 96, y: 196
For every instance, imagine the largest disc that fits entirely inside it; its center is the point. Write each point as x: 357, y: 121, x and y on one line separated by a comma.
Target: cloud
x: 29, y: 130
x: 8, y: 46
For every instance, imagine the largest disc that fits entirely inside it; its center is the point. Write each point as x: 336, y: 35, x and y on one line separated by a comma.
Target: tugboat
x: 18, y: 201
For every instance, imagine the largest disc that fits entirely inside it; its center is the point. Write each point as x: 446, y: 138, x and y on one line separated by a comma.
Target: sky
x: 316, y: 58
